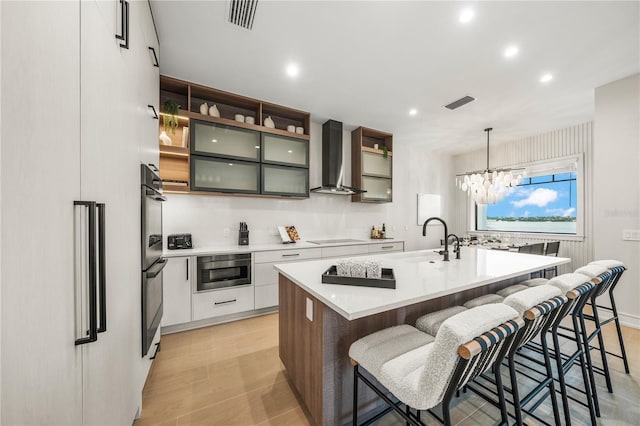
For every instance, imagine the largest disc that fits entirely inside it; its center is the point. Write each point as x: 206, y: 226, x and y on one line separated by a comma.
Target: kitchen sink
x: 336, y: 241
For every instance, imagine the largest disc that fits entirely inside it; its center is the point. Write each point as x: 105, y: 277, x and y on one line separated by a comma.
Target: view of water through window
x: 545, y: 204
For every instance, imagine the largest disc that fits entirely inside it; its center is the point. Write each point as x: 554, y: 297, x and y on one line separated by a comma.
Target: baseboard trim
x: 217, y: 320
x: 629, y: 320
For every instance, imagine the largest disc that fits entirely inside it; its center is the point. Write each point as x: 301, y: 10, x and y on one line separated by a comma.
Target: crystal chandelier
x: 489, y: 186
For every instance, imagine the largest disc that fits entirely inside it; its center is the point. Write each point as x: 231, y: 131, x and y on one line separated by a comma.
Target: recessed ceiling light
x: 214, y: 140
x: 413, y: 111
x: 511, y: 51
x: 546, y: 78
x: 466, y: 15
x: 292, y: 70
x: 290, y: 151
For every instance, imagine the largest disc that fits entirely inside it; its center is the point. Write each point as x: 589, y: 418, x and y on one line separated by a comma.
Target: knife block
x: 243, y: 238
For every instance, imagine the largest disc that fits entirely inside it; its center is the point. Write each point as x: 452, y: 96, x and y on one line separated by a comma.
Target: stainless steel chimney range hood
x: 332, y: 170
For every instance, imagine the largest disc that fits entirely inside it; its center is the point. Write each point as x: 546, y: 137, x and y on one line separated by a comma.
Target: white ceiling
x: 369, y: 63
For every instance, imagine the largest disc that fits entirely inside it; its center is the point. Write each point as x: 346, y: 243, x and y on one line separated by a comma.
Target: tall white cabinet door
x: 176, y: 281
x: 41, y: 366
x: 148, y: 81
x: 111, y: 175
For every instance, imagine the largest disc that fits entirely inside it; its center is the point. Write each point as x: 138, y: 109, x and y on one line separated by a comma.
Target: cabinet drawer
x: 287, y: 255
x: 386, y: 247
x: 266, y: 296
x: 222, y: 302
x: 344, y: 251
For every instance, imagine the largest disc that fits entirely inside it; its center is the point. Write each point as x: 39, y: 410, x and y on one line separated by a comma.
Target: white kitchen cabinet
x: 386, y: 247
x: 227, y: 301
x: 266, y: 296
x: 341, y: 251
x: 70, y: 132
x: 176, y: 282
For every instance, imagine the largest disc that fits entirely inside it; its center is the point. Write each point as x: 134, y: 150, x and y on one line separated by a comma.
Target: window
x: 546, y: 201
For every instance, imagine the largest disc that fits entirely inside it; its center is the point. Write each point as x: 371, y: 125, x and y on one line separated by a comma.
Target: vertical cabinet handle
x: 187, y: 269
x: 155, y: 354
x: 124, y: 31
x: 102, y: 269
x: 155, y: 57
x: 155, y: 113
x: 91, y: 258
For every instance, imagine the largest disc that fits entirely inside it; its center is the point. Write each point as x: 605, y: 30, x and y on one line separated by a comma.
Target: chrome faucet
x: 446, y: 238
x: 457, y: 249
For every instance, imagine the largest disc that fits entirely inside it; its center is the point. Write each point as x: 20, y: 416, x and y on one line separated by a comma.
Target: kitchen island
x: 318, y: 322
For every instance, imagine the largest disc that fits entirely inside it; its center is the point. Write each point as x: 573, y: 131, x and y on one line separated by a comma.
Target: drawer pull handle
x: 225, y: 302
x: 386, y: 247
x: 291, y: 255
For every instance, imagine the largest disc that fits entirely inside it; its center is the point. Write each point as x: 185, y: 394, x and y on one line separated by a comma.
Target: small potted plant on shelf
x: 170, y: 118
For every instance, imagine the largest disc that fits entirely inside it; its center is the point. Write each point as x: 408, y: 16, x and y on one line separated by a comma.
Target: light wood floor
x: 231, y: 374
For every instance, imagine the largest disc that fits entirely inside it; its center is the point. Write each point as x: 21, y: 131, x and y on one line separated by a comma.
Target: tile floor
x: 230, y: 374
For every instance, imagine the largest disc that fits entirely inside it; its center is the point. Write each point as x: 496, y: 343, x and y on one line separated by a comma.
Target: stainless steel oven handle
x: 157, y: 268
x: 224, y: 264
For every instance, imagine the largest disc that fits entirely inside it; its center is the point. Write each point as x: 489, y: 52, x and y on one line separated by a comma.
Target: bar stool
x: 483, y: 300
x: 593, y: 271
x: 422, y: 372
x: 551, y: 249
x: 514, y: 288
x: 534, y: 282
x: 616, y: 268
x: 579, y: 289
x: 540, y: 306
x: 430, y: 323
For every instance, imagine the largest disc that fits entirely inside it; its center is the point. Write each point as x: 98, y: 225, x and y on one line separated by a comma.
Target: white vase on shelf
x: 268, y: 122
x: 204, y: 109
x: 213, y: 111
x: 164, y: 138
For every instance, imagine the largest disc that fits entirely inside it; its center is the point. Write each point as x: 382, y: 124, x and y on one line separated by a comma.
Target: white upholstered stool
x: 430, y: 323
x: 483, y: 300
x: 426, y: 374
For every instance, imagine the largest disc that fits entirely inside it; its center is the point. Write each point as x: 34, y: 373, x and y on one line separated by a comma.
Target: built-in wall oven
x: 223, y: 271
x: 152, y: 261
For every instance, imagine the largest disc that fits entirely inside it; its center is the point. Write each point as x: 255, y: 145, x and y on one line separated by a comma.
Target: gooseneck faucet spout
x: 457, y: 248
x: 446, y: 233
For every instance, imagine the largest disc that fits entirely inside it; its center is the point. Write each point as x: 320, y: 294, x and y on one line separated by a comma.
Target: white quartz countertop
x: 420, y: 275
x: 301, y: 244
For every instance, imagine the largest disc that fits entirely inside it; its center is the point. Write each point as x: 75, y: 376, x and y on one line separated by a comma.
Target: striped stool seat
x: 483, y: 300
x: 430, y: 323
x: 425, y: 375
x: 534, y: 282
x: 508, y: 291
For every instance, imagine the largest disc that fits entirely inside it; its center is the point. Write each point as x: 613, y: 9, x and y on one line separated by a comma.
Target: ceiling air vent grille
x: 460, y: 102
x: 242, y: 12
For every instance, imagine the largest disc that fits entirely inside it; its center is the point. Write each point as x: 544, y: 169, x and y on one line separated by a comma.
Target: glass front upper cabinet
x: 284, y: 150
x: 378, y: 189
x: 223, y: 175
x: 374, y: 164
x: 288, y: 181
x: 224, y: 141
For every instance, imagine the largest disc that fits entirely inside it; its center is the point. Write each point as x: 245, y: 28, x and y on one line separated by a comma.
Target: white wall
x: 321, y: 216
x: 559, y: 143
x: 616, y: 189
x: 1, y: 141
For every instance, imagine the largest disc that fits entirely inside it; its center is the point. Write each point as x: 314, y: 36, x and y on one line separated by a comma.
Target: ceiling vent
x: 460, y: 102
x: 242, y: 12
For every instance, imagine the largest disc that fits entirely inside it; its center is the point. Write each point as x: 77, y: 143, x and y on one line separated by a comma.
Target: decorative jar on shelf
x: 268, y: 122
x: 204, y: 109
x: 164, y: 138
x: 213, y: 111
